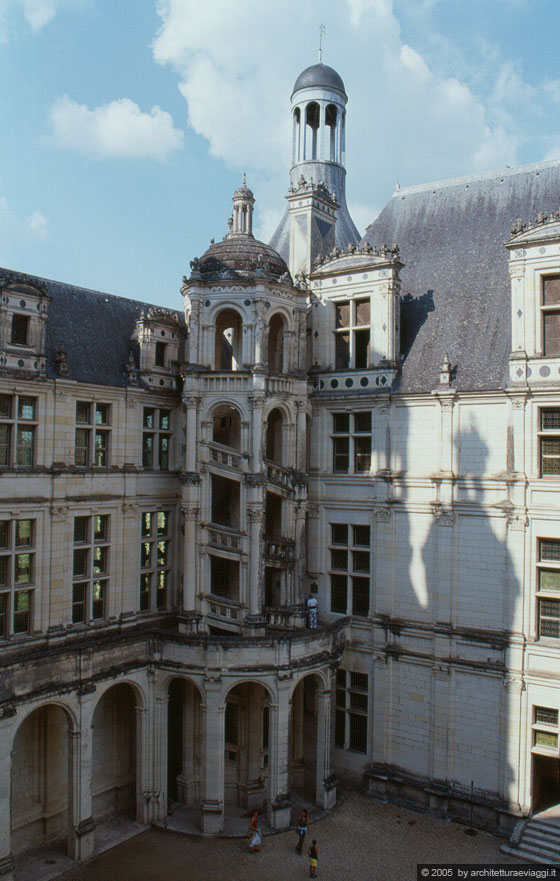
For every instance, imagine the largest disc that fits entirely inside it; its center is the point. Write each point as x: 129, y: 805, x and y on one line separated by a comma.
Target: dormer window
x: 551, y: 315
x: 20, y: 330
x: 160, y: 354
x: 352, y: 333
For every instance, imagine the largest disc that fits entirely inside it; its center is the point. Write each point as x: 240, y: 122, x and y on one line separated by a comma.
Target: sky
x: 127, y: 124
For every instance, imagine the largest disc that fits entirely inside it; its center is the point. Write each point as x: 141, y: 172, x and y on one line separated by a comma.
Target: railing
x: 224, y: 538
x: 279, y: 476
x: 227, y: 382
x: 286, y: 617
x: 279, y: 550
x: 224, y: 608
x: 224, y: 456
x: 278, y: 386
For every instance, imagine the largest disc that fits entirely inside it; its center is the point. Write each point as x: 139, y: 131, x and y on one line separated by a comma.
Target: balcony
x: 225, y: 456
x: 279, y: 476
x: 223, y: 538
x: 279, y: 550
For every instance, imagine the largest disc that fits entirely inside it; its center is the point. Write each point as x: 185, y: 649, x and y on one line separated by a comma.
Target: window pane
x: 361, y: 535
x: 339, y: 533
x: 360, y: 561
x: 359, y: 681
x: 5, y: 406
x: 358, y: 701
x: 5, y: 444
x: 164, y: 452
x: 550, y: 419
x: 360, y: 596
x: 549, y: 550
x: 146, y: 523
x: 543, y: 714
x: 79, y: 594
x: 549, y: 618
x: 22, y: 608
x: 551, y: 333
x: 4, y: 569
x: 342, y: 314
x: 341, y: 423
x: 338, y: 594
x: 549, y: 579
x: 98, y: 605
x: 342, y: 351
x: 146, y: 555
x: 24, y: 453
x: 81, y: 452
x: 551, y: 290
x: 26, y: 408
x: 145, y: 584
x: 4, y: 533
x: 162, y: 553
x: 23, y: 568
x: 148, y: 417
x: 20, y: 326
x: 339, y: 726
x: 362, y: 422
x: 4, y: 598
x: 147, y: 450
x: 24, y: 533
x: 362, y: 453
x: 341, y: 454
x: 80, y: 561
x: 100, y: 560
x: 361, y: 345
x: 362, y: 311
x: 81, y: 528
x: 82, y: 412
x: 544, y: 738
x: 100, y: 527
x: 162, y: 522
x: 358, y: 733
x: 339, y: 559
x: 102, y: 414
x: 164, y: 419
x: 101, y: 439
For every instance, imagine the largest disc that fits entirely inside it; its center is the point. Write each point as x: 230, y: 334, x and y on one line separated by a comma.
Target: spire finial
x: 322, y: 30
x: 244, y: 179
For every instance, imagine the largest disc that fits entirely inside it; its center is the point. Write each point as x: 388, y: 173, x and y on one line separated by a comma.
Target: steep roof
x: 96, y: 329
x: 455, y: 283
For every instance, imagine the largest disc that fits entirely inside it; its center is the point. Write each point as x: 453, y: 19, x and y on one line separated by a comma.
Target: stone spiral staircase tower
x: 245, y: 396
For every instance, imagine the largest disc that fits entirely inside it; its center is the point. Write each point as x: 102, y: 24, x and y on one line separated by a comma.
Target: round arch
x: 226, y: 419
x: 228, y: 322
x: 115, y: 750
x: 185, y: 746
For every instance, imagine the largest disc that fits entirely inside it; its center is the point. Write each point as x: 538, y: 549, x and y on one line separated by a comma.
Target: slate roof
x: 455, y: 284
x: 96, y: 329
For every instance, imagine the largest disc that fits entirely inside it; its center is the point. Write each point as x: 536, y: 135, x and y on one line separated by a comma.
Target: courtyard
x: 360, y: 840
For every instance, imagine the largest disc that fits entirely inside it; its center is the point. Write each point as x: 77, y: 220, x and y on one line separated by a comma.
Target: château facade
x: 373, y: 421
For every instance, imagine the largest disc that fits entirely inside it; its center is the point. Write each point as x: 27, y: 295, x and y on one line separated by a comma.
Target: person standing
x: 302, y: 829
x: 313, y: 854
x: 254, y: 833
x: 312, y: 610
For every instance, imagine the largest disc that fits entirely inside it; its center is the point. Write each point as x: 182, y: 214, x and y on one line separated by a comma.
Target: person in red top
x: 254, y: 833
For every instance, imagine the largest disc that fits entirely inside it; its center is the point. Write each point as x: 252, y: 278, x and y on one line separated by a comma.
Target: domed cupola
x: 318, y: 218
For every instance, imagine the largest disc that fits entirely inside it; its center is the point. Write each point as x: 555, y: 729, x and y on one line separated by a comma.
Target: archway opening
x: 276, y: 345
x: 296, y: 146
x: 113, y: 779
x: 184, y: 743
x: 41, y: 780
x: 246, y: 767
x: 303, y: 739
x: 227, y: 354
x: 226, y: 427
x: 274, y: 426
x: 330, y: 122
x: 312, y: 119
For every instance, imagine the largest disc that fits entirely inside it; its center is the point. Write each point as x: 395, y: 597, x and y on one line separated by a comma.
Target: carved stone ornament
x: 516, y: 270
x: 255, y: 514
x: 190, y: 478
x: 191, y: 512
x: 514, y: 683
x: 255, y: 480
x: 517, y: 520
x: 444, y: 516
x: 441, y: 671
x: 383, y: 515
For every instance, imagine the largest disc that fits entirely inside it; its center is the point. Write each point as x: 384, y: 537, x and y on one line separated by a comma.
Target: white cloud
x: 119, y: 129
x: 38, y: 225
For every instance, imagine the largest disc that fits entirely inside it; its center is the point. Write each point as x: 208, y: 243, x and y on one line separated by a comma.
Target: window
x: 93, y: 433
x: 351, y: 714
x: 545, y: 729
x: 156, y: 436
x: 160, y: 354
x: 351, y: 440
x: 551, y: 315
x: 17, y: 575
x: 17, y: 430
x: 349, y: 569
x: 20, y: 330
x: 549, y: 438
x: 352, y: 332
x: 155, y: 560
x: 90, y: 568
x: 548, y: 587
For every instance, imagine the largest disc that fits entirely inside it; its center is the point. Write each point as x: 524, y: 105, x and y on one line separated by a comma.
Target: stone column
x: 279, y: 804
x: 326, y: 783
x: 257, y: 457
x: 191, y: 515
x: 191, y: 403
x: 188, y: 780
x: 81, y: 835
x: 255, y: 515
x: 301, y: 435
x: 8, y: 729
x: 212, y: 803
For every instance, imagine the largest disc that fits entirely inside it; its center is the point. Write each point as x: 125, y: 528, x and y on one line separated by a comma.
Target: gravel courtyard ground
x: 360, y: 841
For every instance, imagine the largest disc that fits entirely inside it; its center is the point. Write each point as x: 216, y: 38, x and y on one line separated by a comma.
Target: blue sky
x: 127, y: 123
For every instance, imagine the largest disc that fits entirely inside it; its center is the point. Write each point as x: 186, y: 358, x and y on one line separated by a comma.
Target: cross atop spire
x: 322, y: 30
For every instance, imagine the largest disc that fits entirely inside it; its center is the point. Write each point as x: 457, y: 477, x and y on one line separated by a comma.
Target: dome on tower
x: 241, y: 254
x: 319, y: 75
